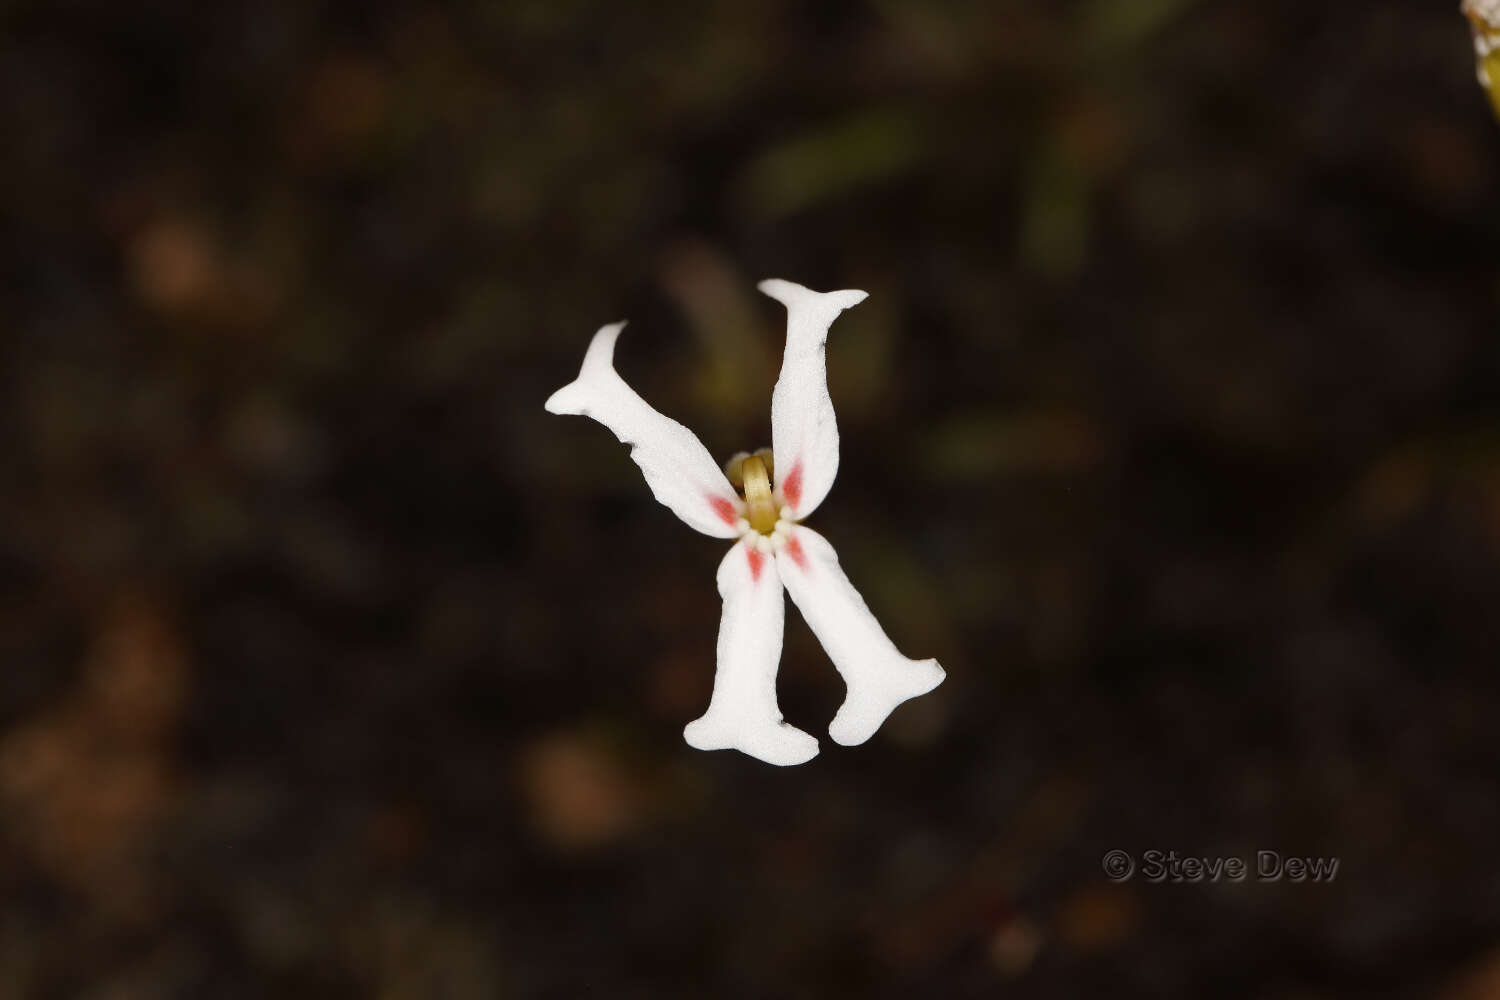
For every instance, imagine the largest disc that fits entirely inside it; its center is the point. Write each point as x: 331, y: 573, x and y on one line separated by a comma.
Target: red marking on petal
x: 794, y: 549
x: 724, y: 509
x: 756, y: 562
x: 791, y: 488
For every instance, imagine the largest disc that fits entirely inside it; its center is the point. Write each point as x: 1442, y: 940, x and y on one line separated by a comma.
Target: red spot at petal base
x: 724, y: 509
x: 791, y: 487
x: 757, y: 562
x: 794, y: 549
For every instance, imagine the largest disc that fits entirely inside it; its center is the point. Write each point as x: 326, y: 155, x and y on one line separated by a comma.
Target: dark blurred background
x: 332, y: 666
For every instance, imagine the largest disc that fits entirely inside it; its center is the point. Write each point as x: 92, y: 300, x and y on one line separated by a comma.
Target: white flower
x: 772, y: 549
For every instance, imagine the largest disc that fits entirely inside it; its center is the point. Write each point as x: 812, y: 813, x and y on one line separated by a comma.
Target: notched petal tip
x: 778, y: 743
x: 871, y: 700
x: 598, y: 369
x: 790, y: 294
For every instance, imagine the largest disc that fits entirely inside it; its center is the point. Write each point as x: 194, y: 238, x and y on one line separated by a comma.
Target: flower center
x: 767, y: 524
x: 761, y: 507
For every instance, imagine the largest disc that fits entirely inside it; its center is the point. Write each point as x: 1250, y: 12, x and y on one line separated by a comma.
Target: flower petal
x: 804, y: 435
x: 682, y: 475
x: 743, y: 715
x: 878, y: 677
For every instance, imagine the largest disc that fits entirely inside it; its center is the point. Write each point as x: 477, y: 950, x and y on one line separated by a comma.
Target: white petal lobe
x: 878, y: 677
x: 743, y: 714
x: 681, y: 473
x: 804, y: 434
